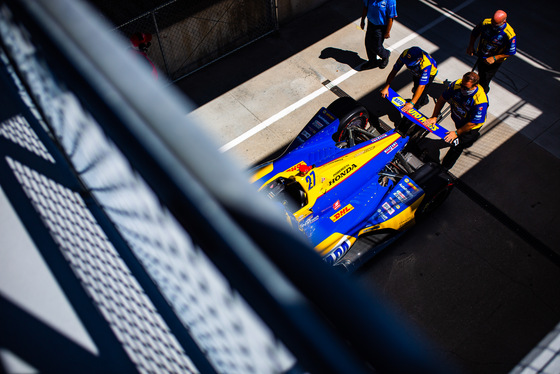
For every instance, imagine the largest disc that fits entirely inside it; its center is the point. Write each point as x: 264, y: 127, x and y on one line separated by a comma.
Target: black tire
x: 434, y: 202
x: 350, y: 114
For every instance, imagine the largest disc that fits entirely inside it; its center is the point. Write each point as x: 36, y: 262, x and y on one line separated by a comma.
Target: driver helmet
x: 275, y: 188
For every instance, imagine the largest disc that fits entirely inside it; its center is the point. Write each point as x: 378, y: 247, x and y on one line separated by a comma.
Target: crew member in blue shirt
x: 380, y: 14
x: 469, y: 105
x: 424, y: 70
x: 497, y: 43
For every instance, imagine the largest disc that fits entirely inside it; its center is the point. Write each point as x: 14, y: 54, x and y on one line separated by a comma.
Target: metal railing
x: 171, y: 264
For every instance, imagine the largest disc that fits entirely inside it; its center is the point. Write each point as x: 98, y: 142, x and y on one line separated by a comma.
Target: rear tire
x: 350, y: 113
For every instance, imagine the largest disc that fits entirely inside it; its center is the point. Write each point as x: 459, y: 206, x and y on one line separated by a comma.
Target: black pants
x: 422, y: 99
x: 431, y: 147
x: 486, y: 72
x: 375, y: 35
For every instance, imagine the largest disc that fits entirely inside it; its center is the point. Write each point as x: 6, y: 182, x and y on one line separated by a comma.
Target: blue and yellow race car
x: 344, y: 177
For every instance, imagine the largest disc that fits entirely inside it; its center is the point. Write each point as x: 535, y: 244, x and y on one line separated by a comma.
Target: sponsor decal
x: 422, y: 119
x: 336, y: 205
x: 400, y: 196
x: 388, y: 208
x: 390, y: 148
x: 342, y: 173
x: 407, y: 181
x: 338, y: 252
x: 371, y: 228
x: 330, y: 117
x: 368, y: 149
x: 408, y: 193
x: 460, y: 111
x: 317, y: 124
x: 381, y: 214
x: 341, y: 169
x: 309, y: 220
x: 382, y: 136
x: 398, y: 101
x: 296, y: 166
x: 341, y: 213
x: 394, y: 203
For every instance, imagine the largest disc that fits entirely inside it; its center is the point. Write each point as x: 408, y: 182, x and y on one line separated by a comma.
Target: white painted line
x: 446, y: 14
x: 285, y: 112
x: 342, y: 78
x: 271, y: 120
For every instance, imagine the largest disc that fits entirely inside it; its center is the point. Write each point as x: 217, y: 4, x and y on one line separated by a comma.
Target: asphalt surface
x: 481, y: 277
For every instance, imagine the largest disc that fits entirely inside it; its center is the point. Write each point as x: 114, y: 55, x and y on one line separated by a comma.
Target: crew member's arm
x: 437, y: 109
x: 415, y: 98
x: 364, y: 14
x: 388, y: 30
x: 390, y: 77
x: 474, y: 35
x: 497, y: 58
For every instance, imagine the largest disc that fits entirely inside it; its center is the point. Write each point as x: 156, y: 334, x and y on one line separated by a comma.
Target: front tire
x: 434, y: 202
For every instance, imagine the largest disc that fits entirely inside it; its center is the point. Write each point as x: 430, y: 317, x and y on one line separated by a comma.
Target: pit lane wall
x: 189, y: 35
x: 289, y: 9
x: 123, y: 252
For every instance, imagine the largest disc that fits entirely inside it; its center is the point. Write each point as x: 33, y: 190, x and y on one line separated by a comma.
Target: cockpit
x: 288, y: 192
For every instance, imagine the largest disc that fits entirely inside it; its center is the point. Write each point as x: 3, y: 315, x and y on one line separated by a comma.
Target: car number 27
x: 310, y: 179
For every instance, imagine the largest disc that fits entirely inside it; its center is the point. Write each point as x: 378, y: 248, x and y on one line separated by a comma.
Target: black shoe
x: 384, y: 62
x: 370, y: 65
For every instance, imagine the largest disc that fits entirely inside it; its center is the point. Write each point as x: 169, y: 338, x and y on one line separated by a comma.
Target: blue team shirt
x: 379, y: 11
x: 501, y: 41
x: 426, y: 68
x: 465, y: 109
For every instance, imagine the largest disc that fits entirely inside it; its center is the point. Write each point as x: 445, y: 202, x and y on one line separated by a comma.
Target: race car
x: 344, y: 177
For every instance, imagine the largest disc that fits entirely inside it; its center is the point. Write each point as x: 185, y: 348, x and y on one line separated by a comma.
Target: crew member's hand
x: 490, y: 60
x: 407, y: 107
x: 430, y: 121
x: 470, y: 50
x: 363, y: 24
x: 385, y: 92
x: 387, y: 35
x: 450, y: 136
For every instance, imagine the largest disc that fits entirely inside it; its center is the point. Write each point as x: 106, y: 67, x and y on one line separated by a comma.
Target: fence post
x: 160, y: 46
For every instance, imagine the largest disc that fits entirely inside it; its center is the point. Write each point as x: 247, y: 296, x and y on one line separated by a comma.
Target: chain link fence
x: 188, y: 35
